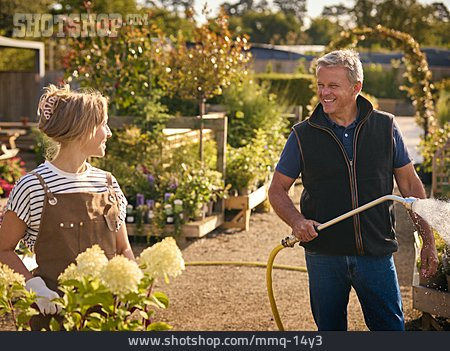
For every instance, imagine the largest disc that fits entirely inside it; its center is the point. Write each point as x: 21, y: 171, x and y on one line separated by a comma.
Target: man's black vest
x: 334, y: 185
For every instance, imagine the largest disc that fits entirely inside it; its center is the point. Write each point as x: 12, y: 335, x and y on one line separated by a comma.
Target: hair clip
x: 48, y: 106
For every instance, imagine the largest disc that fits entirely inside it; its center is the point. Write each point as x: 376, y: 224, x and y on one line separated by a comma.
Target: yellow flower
x: 8, y: 277
x: 162, y: 259
x: 121, y: 275
x: 91, y: 262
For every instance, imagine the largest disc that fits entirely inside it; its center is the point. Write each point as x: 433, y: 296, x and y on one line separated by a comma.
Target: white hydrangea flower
x: 162, y: 259
x: 91, y: 262
x: 8, y: 277
x: 121, y: 275
x: 71, y: 272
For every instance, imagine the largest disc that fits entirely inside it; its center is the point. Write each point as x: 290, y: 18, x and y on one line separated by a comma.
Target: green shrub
x: 189, y: 155
x: 250, y: 107
x: 431, y: 144
x: 290, y: 89
x: 383, y: 83
x: 443, y: 107
x: 250, y: 166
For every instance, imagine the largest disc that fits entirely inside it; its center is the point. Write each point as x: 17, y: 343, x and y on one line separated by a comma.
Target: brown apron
x: 70, y: 224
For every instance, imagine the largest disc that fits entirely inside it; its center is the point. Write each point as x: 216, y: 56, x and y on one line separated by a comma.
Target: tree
x: 10, y: 7
x: 294, y: 7
x: 98, y: 6
x: 321, y: 31
x: 428, y: 24
x: 239, y: 8
x: 123, y: 68
x: 172, y: 5
x: 204, y: 68
x: 268, y: 27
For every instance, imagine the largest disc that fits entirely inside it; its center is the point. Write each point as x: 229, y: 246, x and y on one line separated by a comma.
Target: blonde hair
x: 66, y: 115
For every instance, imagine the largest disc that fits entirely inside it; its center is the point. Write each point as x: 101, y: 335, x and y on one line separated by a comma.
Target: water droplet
x: 436, y: 213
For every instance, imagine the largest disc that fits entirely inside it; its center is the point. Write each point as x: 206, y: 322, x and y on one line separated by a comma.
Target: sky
x: 314, y: 7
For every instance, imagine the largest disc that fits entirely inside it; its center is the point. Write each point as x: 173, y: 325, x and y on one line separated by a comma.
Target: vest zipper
x: 356, y: 224
x: 358, y: 234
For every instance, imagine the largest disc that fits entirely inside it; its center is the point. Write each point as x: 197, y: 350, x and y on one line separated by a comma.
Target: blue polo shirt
x: 290, y: 163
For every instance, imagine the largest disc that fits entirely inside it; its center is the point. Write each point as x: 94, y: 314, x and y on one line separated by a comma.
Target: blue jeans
x: 374, y: 280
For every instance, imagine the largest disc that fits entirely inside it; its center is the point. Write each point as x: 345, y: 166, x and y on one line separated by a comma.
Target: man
x: 347, y: 154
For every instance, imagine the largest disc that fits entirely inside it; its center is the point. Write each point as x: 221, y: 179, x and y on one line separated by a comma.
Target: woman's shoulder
x: 97, y: 172
x: 31, y: 176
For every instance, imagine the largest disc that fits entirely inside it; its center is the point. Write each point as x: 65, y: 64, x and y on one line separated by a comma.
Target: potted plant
x: 251, y: 166
x: 198, y: 188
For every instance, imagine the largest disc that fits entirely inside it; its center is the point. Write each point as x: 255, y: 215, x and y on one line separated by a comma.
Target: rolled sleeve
x: 401, y: 154
x: 290, y: 163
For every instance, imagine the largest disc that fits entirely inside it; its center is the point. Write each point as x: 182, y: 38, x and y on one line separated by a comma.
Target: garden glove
x: 44, y: 296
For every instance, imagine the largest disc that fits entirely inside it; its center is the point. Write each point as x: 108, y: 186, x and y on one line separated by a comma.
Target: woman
x: 65, y: 205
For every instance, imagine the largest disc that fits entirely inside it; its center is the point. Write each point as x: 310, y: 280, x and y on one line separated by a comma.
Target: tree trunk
x: 202, y: 112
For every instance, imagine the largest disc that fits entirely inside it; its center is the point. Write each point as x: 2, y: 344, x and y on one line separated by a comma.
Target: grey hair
x: 345, y: 58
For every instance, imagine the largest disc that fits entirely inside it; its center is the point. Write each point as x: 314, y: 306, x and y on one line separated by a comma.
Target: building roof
x: 435, y: 57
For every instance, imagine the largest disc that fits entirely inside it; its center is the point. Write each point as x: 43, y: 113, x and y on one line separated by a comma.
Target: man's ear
x: 357, y: 88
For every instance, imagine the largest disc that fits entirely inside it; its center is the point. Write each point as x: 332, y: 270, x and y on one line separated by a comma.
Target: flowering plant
x: 101, y: 294
x: 10, y: 171
x: 15, y: 299
x: 117, y: 294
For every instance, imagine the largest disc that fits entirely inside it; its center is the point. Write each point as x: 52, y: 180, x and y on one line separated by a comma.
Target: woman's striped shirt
x: 27, y: 197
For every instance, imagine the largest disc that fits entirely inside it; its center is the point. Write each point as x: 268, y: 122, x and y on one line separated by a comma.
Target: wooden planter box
x: 431, y: 302
x: 195, y: 229
x: 244, y: 203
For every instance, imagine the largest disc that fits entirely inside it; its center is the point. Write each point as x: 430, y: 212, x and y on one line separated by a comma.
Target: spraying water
x: 437, y: 214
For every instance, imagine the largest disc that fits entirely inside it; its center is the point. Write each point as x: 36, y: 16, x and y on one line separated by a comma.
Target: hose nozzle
x: 289, y: 241
x: 408, y: 202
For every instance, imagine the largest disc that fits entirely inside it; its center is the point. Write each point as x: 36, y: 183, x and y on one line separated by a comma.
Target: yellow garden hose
x: 287, y: 242
x: 273, y: 305
x: 248, y: 264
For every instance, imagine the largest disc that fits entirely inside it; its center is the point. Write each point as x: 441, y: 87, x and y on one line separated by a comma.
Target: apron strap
x: 52, y: 200
x: 111, y: 218
x: 112, y: 192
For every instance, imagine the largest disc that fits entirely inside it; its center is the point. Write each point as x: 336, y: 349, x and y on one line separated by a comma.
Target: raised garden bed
x: 245, y: 204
